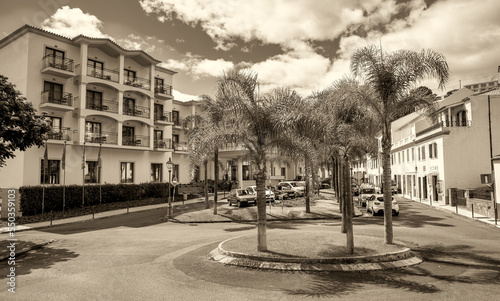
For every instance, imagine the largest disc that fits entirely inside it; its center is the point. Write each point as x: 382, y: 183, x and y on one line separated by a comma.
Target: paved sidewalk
x: 462, y: 211
x: 99, y: 215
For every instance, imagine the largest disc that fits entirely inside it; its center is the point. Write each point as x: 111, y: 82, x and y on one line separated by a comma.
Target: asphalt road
x: 140, y: 256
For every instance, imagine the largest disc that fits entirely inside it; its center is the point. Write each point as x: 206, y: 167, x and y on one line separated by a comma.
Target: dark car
x: 241, y: 197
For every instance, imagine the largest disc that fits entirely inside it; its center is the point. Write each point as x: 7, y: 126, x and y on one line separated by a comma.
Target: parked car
x: 278, y: 194
x: 291, y: 185
x: 241, y: 197
x: 375, y: 205
x: 366, y: 192
x: 270, y: 196
x: 288, y: 189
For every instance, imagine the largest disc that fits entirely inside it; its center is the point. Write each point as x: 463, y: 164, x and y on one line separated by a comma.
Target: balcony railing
x: 138, y: 82
x: 102, y: 137
x: 58, y: 133
x: 456, y: 123
x: 103, y: 73
x: 110, y: 106
x: 139, y: 111
x: 58, y: 62
x: 163, y: 143
x: 181, y: 146
x: 60, y: 98
x: 165, y: 89
x: 137, y: 140
x: 163, y: 116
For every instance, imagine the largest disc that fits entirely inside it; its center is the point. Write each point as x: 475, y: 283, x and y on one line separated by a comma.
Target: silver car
x: 375, y: 205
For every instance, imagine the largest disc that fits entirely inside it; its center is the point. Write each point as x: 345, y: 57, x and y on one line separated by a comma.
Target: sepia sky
x: 302, y: 44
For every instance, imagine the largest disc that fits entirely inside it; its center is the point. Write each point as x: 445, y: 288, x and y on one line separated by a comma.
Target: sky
x: 305, y: 45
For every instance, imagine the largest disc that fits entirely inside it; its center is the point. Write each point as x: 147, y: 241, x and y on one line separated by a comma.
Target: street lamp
x: 170, y: 164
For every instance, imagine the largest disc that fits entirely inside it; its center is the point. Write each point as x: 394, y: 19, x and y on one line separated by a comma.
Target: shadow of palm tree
x: 41, y: 258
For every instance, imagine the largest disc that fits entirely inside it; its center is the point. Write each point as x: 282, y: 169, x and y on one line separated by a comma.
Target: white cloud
x: 136, y: 42
x: 183, y: 97
x: 211, y: 67
x: 71, y: 22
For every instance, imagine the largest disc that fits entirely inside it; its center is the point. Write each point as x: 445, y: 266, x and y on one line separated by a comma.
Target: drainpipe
x: 492, y: 165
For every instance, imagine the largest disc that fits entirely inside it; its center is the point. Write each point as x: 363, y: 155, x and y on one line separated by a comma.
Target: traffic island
x: 298, y: 250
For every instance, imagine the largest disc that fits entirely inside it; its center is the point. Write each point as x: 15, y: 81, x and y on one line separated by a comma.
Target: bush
x: 31, y: 196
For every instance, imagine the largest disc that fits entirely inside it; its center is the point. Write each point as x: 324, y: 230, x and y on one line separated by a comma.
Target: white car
x: 375, y: 205
x: 299, y: 190
x: 270, y: 197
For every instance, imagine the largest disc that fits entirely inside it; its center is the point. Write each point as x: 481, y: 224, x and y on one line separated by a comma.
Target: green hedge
x: 31, y: 196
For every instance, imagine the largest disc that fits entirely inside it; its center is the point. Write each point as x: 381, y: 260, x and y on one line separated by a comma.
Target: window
x: 92, y: 131
x: 158, y: 111
x: 94, y: 100
x: 55, y: 58
x: 91, y: 172
x: 129, y: 76
x: 127, y: 172
x: 403, y: 156
x: 423, y: 152
x: 175, y: 172
x: 158, y: 139
x: 128, y: 135
x: 95, y: 68
x: 419, y: 154
x: 462, y: 118
x: 54, y: 92
x: 128, y: 106
x: 246, y: 172
x: 55, y: 125
x: 283, y: 171
x: 399, y: 158
x: 413, y: 154
x: 175, y: 118
x: 433, y: 150
x: 156, y: 172
x: 408, y: 155
x: 52, y: 174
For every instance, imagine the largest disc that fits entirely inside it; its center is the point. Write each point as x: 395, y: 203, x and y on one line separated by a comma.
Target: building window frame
x: 127, y: 172
x: 52, y: 175
x: 91, y: 173
x: 156, y: 172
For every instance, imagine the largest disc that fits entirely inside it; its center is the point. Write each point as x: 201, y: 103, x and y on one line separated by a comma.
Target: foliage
x: 20, y: 127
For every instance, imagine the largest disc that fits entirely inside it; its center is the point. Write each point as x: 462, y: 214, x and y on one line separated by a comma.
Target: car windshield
x: 293, y: 184
x: 242, y: 192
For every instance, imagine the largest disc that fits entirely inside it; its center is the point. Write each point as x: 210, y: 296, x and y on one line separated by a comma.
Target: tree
x: 250, y: 120
x: 390, y: 78
x: 20, y: 127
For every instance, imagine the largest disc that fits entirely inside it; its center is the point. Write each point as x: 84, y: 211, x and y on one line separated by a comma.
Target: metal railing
x: 163, y: 116
x: 138, y: 82
x: 60, y: 98
x: 136, y: 140
x: 456, y: 123
x: 103, y: 105
x: 139, y: 111
x: 180, y: 146
x: 58, y: 62
x: 102, y: 137
x: 165, y: 89
x: 106, y: 74
x: 162, y: 144
x: 58, y: 133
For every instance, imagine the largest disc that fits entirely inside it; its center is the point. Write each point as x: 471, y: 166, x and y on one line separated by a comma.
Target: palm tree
x: 390, y: 78
x: 250, y: 120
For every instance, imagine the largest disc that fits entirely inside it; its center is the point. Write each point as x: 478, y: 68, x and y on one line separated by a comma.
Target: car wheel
x: 238, y: 204
x: 373, y: 212
x: 396, y: 213
x: 229, y: 203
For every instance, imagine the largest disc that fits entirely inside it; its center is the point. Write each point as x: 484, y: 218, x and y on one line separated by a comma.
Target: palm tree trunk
x: 348, y: 209
x: 216, y: 177
x: 342, y: 194
x: 205, y: 163
x: 386, y: 163
x: 307, y: 178
x: 261, y: 212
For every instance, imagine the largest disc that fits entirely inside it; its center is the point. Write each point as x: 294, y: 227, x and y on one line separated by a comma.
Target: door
x: 159, y: 112
x: 128, y: 106
x: 435, y: 188
x: 53, y: 92
x: 94, y: 100
x: 128, y: 135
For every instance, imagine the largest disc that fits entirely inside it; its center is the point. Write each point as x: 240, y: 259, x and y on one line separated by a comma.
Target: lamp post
x: 169, y: 168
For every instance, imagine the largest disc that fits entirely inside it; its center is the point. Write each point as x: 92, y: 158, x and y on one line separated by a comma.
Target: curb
x: 26, y: 250
x: 397, y: 259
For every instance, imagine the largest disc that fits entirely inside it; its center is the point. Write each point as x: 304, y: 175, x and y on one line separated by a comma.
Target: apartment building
x: 483, y: 86
x: 451, y: 150
x: 98, y: 98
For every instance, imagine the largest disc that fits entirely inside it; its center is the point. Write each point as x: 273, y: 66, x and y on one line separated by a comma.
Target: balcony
x: 180, y: 146
x: 57, y: 66
x: 102, y: 137
x: 138, y: 111
x: 164, y: 91
x: 137, y: 140
x: 162, y: 144
x: 138, y: 82
x: 163, y: 117
x: 61, y: 134
x: 456, y: 123
x: 109, y: 106
x: 104, y: 74
x: 56, y: 100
